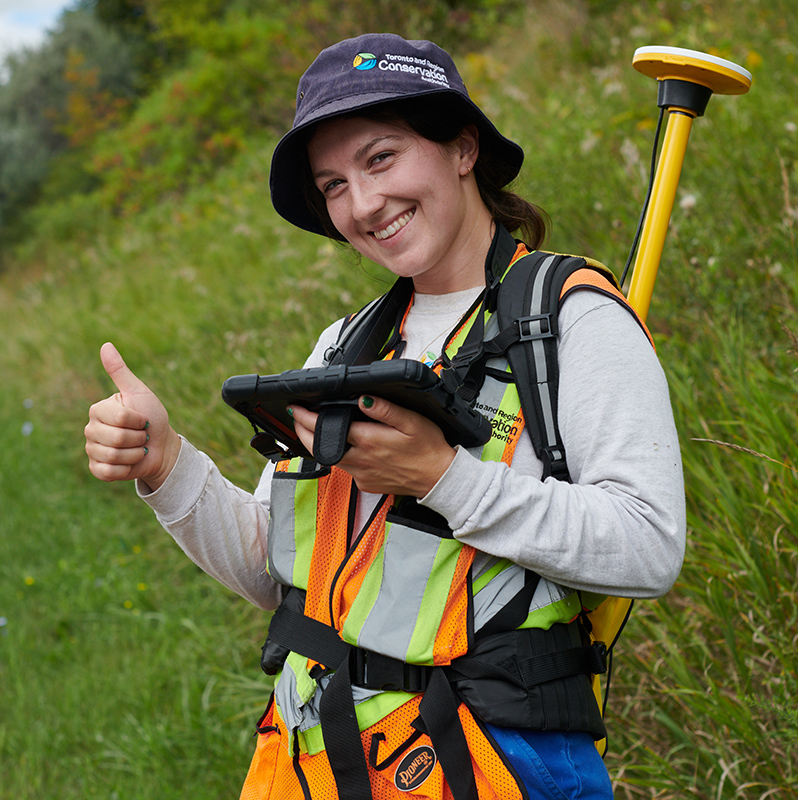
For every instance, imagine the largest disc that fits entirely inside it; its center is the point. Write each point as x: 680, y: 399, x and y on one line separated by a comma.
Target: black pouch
x: 497, y: 680
x: 273, y: 654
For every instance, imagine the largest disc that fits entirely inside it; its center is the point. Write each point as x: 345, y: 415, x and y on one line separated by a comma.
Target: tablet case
x: 333, y: 392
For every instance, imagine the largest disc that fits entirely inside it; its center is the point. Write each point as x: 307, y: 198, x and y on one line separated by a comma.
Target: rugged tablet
x: 334, y: 391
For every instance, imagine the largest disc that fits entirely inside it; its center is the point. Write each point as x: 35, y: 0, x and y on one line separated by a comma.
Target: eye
x: 331, y: 186
x: 380, y: 157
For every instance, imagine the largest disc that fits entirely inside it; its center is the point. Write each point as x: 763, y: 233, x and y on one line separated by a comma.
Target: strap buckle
x: 372, y: 670
x: 547, y: 327
x: 554, y: 463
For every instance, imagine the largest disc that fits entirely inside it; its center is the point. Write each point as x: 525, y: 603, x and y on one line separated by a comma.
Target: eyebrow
x: 361, y: 152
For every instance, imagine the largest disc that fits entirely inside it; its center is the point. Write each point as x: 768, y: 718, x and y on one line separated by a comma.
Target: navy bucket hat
x: 359, y: 73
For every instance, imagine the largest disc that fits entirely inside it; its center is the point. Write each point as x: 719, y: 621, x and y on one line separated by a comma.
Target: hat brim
x: 290, y: 155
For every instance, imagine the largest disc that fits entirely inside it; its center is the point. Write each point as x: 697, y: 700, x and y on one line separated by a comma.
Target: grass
x: 125, y: 672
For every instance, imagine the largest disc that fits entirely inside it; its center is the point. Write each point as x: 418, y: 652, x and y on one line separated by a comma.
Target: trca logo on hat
x: 364, y: 61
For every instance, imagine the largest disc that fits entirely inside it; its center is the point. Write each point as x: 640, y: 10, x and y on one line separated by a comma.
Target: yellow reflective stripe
x: 433, y: 604
x: 457, y: 340
x: 486, y: 577
x: 305, y: 685
x: 364, y: 600
x: 306, y: 497
x: 559, y: 611
x: 506, y: 425
x: 592, y: 600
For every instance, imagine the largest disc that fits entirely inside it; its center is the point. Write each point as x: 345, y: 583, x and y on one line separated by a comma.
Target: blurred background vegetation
x: 134, y: 157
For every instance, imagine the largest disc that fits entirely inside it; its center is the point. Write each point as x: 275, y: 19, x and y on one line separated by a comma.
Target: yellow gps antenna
x: 687, y: 79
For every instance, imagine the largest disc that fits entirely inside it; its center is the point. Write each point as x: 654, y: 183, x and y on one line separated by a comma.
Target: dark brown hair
x: 438, y: 119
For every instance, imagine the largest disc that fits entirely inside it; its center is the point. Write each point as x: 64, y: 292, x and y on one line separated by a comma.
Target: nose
x: 365, y: 199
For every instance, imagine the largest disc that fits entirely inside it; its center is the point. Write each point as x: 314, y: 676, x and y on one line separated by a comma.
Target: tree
x: 58, y: 96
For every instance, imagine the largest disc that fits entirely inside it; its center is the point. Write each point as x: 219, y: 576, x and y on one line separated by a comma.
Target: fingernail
x: 148, y: 438
x: 146, y: 425
x: 146, y: 450
x: 290, y: 411
x: 368, y: 402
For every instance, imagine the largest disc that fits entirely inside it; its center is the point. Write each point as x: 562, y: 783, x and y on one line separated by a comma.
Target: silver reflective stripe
x: 282, y: 543
x: 548, y: 593
x: 545, y: 397
x: 310, y: 714
x: 489, y: 600
x: 409, y: 556
x: 540, y: 352
x: 287, y: 698
x: 496, y: 594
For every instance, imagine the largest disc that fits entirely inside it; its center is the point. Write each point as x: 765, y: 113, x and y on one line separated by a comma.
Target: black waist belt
x: 291, y: 630
x: 370, y: 670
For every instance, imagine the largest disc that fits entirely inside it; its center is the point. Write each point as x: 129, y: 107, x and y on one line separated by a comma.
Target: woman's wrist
x: 171, y: 452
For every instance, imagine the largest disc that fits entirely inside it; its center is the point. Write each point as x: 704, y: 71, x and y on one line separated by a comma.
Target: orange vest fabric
x: 402, y: 763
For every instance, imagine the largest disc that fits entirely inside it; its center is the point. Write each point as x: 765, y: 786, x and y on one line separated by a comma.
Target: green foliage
x: 56, y: 97
x: 200, y: 116
x: 216, y: 75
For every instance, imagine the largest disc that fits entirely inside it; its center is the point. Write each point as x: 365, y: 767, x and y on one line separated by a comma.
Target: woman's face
x: 403, y: 201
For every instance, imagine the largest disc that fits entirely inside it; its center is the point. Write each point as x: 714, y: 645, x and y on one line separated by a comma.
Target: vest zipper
x: 352, y: 545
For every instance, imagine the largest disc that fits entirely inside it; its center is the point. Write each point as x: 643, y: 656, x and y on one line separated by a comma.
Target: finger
x: 381, y: 410
x: 109, y: 472
x: 120, y: 373
x: 124, y: 456
x: 304, y: 417
x: 110, y: 412
x: 304, y: 426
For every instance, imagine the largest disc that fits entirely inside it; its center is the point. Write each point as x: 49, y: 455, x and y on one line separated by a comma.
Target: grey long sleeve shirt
x: 618, y: 528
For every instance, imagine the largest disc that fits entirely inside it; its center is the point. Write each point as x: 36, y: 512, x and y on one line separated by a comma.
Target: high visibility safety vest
x: 396, y: 642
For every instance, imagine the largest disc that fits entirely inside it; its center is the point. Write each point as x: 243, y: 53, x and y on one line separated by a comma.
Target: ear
x: 469, y: 148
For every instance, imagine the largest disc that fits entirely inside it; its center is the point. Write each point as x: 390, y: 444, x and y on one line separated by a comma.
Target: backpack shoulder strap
x: 371, y: 332
x: 528, y: 308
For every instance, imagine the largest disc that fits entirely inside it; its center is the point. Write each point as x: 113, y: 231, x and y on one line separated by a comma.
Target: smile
x: 394, y: 227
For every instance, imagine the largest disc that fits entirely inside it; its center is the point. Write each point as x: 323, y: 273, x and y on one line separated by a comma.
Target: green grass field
x: 127, y: 673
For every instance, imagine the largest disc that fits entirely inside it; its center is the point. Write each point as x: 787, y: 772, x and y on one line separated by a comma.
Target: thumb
x: 119, y: 372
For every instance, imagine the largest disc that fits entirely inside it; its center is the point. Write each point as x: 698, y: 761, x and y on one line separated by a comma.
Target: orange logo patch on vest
x: 415, y: 768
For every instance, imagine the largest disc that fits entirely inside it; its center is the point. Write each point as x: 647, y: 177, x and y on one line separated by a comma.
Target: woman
x: 410, y: 550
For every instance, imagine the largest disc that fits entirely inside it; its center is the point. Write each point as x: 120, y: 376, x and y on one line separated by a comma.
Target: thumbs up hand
x: 128, y: 435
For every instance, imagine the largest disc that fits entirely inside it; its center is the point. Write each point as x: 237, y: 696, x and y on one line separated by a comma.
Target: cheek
x: 338, y: 215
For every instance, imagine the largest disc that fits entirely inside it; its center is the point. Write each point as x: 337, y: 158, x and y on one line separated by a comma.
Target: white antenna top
x: 718, y: 74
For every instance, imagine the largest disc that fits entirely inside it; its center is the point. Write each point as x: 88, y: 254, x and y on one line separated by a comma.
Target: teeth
x: 394, y: 226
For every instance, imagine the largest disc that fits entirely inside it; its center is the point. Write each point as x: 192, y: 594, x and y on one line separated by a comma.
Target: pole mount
x: 688, y: 78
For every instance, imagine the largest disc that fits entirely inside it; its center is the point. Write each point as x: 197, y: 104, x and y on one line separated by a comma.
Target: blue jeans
x: 554, y: 765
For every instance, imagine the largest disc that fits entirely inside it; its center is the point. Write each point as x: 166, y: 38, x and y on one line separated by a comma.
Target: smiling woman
x: 403, y: 201
x: 433, y: 630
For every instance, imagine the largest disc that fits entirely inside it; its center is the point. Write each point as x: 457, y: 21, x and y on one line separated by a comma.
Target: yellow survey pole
x: 655, y: 227
x: 686, y: 80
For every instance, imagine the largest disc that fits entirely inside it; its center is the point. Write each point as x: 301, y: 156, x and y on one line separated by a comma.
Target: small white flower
x: 27, y: 428
x: 775, y: 269
x: 589, y: 142
x: 687, y: 202
x: 790, y: 127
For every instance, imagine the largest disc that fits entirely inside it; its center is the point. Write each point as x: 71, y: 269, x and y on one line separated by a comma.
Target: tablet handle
x: 332, y: 427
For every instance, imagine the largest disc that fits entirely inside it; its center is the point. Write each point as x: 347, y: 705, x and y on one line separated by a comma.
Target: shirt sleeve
x: 221, y: 527
x: 619, y: 527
